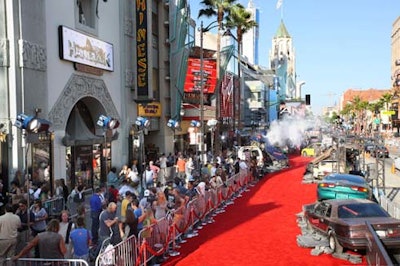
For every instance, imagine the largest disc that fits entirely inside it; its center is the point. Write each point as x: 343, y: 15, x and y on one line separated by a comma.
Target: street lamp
x: 108, y: 124
x: 203, y: 29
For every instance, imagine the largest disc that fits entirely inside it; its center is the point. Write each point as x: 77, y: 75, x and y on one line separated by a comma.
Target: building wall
x: 46, y: 82
x: 395, y: 62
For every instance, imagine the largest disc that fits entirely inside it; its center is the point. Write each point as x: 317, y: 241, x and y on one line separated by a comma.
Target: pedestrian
x: 156, y: 171
x: 109, y: 225
x: 160, y: 206
x: 130, y: 220
x: 148, y: 178
x: 27, y: 217
x: 124, y: 207
x: 66, y: 226
x: 9, y: 224
x: 39, y: 222
x: 50, y: 243
x: 125, y: 188
x: 81, y: 240
x: 180, y: 168
x: 95, y: 210
x: 189, y: 167
x: 112, y: 177
x: 163, y: 169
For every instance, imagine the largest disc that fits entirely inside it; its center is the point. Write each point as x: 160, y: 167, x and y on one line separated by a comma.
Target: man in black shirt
x: 23, y: 231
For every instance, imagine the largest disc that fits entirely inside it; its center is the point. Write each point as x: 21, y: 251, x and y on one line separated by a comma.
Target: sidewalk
x: 391, y: 176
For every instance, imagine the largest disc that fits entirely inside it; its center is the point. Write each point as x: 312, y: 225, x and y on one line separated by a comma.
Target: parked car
x: 343, y: 186
x: 380, y: 152
x: 312, y: 150
x: 324, y: 168
x: 344, y: 223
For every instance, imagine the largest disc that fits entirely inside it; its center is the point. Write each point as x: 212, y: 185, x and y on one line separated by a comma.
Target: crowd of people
x: 132, y: 199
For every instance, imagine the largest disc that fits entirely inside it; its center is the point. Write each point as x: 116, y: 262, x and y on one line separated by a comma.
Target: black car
x: 380, y: 152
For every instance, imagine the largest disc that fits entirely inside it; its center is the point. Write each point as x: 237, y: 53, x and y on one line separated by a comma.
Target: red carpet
x: 260, y: 228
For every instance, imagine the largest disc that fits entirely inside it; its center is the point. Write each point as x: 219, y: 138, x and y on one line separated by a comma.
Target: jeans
x: 95, y: 226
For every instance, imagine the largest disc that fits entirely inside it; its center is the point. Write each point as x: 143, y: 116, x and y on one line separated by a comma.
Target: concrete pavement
x: 391, y: 176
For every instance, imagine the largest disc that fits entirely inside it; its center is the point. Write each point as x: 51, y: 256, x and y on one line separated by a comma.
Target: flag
x: 279, y: 3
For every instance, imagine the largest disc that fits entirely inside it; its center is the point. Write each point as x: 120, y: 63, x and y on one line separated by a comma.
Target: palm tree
x: 218, y: 9
x: 240, y: 19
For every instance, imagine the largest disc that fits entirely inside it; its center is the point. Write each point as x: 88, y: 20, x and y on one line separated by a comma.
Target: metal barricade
x: 46, y: 262
x: 165, y: 235
x: 124, y: 253
x: 54, y: 207
x: 154, y: 240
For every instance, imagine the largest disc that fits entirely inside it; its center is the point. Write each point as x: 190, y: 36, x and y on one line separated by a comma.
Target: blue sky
x: 339, y: 44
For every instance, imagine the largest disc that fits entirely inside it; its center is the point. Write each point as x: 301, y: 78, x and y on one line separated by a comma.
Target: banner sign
x: 83, y: 49
x: 142, y: 79
x: 193, y: 75
x: 152, y: 109
x: 227, y: 87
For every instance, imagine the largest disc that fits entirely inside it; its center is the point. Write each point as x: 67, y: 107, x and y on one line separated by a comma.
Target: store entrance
x: 86, y: 156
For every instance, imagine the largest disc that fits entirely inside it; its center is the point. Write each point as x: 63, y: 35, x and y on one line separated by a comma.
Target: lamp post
x: 108, y: 124
x: 202, y: 30
x: 30, y: 125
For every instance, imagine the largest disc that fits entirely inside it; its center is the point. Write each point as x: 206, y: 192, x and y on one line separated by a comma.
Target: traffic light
x: 308, y: 99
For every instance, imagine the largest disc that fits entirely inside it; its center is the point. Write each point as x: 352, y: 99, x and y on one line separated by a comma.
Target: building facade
x: 69, y: 62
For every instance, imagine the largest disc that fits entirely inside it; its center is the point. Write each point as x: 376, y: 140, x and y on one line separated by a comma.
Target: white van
x: 248, y: 152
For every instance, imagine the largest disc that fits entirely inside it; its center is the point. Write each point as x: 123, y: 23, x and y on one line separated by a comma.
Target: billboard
x: 193, y: 75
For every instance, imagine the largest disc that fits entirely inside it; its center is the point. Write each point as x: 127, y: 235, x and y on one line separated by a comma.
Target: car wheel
x: 334, y: 243
x: 304, y: 154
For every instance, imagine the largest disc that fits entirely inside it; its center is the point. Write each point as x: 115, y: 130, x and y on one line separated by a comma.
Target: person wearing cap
x: 144, y: 202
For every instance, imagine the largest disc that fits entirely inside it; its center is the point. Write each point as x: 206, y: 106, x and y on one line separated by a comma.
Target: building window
x: 86, y: 16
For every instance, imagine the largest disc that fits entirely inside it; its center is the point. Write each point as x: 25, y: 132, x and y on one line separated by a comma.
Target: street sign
x: 388, y: 112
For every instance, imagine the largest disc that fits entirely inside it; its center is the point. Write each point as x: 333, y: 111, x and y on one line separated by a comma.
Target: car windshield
x: 349, y: 178
x: 361, y: 210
